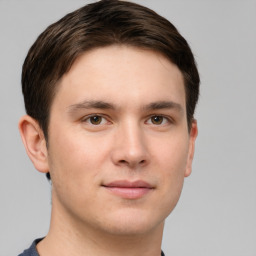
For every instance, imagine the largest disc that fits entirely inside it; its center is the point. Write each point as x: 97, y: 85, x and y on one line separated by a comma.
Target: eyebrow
x: 98, y: 104
x: 90, y: 104
x: 164, y: 105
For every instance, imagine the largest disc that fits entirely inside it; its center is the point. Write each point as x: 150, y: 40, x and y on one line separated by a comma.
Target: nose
x: 130, y: 147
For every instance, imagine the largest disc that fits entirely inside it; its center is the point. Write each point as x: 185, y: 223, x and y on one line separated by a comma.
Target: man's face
x: 119, y: 145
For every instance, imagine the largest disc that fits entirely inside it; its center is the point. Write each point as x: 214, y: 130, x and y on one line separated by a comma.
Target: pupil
x: 157, y: 119
x: 95, y: 119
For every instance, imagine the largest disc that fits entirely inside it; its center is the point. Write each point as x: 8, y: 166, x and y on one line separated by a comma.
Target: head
x: 113, y: 88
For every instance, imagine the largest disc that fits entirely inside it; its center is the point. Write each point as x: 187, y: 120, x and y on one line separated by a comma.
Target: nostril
x: 132, y: 162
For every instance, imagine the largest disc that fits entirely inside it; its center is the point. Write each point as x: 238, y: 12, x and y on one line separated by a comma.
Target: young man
x: 110, y: 92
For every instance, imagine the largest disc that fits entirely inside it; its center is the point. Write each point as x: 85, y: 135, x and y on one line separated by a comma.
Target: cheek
x: 69, y: 157
x: 171, y: 166
x: 76, y: 158
x: 73, y: 171
x: 172, y: 154
x: 74, y: 148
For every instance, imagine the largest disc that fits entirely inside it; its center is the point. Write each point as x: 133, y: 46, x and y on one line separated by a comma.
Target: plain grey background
x: 216, y: 215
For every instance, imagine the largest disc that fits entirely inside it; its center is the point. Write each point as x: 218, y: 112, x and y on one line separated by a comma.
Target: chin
x: 131, y: 223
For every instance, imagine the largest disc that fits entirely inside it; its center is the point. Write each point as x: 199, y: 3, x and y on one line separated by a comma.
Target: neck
x: 71, y: 237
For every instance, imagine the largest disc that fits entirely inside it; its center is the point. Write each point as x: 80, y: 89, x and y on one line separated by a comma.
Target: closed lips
x: 129, y: 190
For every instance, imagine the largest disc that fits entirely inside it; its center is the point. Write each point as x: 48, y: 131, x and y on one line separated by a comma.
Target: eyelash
x: 165, y: 120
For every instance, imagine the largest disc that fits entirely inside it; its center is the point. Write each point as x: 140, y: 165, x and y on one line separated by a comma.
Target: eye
x: 95, y: 120
x: 158, y: 120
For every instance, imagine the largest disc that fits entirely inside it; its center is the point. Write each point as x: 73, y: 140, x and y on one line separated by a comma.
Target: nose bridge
x: 130, y: 144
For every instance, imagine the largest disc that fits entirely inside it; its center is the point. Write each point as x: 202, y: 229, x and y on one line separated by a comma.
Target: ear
x: 34, y: 142
x: 191, y: 150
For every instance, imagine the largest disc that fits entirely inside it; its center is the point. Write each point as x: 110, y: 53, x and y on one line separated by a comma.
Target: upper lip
x: 128, y: 184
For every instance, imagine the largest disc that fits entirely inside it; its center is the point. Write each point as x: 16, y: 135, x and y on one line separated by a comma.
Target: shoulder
x: 31, y: 251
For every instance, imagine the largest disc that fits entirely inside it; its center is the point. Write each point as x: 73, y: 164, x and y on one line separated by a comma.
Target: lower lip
x: 129, y: 193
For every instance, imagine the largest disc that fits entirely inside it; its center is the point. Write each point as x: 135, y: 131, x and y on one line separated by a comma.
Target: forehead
x: 120, y: 74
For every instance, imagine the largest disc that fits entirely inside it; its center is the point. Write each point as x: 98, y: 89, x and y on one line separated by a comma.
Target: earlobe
x: 192, y: 139
x: 34, y: 142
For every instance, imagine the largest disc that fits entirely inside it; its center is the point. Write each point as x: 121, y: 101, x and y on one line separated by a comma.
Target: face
x: 119, y: 146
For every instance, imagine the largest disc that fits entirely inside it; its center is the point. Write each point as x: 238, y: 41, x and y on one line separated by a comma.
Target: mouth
x: 129, y: 190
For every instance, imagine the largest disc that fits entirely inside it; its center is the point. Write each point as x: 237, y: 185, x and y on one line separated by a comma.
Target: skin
x: 119, y: 114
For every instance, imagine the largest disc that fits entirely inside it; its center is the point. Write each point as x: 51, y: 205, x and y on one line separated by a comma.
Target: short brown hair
x: 100, y: 24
